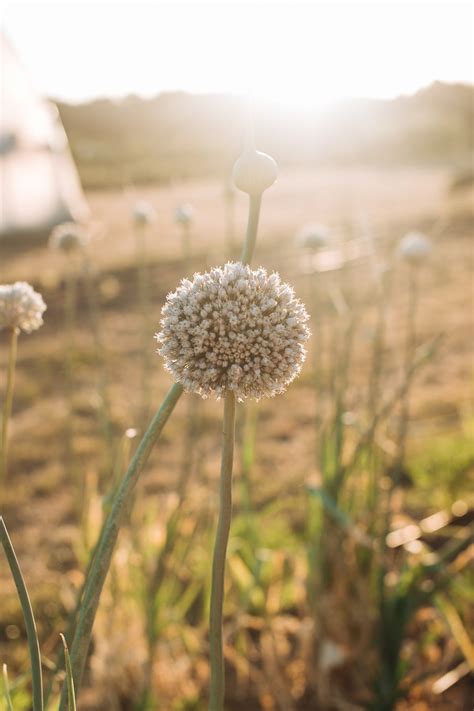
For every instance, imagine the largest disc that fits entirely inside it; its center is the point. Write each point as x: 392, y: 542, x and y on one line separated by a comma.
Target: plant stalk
x: 7, y: 407
x: 255, y: 202
x: 105, y: 548
x: 31, y: 633
x: 217, y: 685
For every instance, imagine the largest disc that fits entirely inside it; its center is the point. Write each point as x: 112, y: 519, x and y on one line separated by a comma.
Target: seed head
x: 415, y: 248
x: 254, y: 172
x: 184, y: 214
x: 68, y: 237
x: 20, y: 307
x: 233, y: 328
x: 143, y: 213
x: 314, y: 237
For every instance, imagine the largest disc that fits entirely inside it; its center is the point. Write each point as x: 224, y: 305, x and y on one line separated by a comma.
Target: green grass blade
x: 71, y: 696
x: 105, y: 548
x: 30, y: 624
x: 6, y: 689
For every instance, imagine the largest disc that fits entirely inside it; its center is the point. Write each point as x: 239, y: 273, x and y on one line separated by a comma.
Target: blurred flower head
x: 415, y: 248
x: 233, y: 328
x: 143, y: 213
x: 21, y: 307
x: 68, y: 237
x: 254, y: 172
x: 314, y: 237
x: 184, y: 214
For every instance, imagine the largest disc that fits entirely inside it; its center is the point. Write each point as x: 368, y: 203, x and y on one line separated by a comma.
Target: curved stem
x: 102, y: 558
x: 255, y: 202
x: 32, y: 635
x: 7, y: 408
x: 217, y: 687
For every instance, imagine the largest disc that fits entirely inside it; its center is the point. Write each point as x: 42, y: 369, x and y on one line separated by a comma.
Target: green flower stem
x: 144, y: 297
x: 255, y: 202
x: 185, y: 237
x: 7, y: 407
x: 217, y: 686
x: 70, y: 307
x: 410, y: 348
x: 103, y: 556
x: 230, y: 221
x: 32, y: 635
x: 93, y: 301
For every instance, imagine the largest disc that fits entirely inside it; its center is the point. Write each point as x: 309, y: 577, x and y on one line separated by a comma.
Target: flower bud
x: 183, y: 215
x: 314, y: 237
x: 68, y: 237
x: 415, y: 248
x: 143, y: 213
x: 254, y: 172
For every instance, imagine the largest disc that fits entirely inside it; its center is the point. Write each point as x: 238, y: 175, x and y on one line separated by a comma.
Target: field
x: 303, y: 616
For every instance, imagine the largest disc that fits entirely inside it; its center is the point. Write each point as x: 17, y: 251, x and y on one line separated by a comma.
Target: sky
x: 295, y: 54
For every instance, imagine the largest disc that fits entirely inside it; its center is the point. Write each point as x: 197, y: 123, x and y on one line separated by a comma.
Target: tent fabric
x: 39, y: 184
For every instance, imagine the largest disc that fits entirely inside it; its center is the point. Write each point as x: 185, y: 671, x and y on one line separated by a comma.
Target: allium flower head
x: 233, y: 328
x: 184, y: 214
x: 254, y: 172
x: 314, y: 237
x: 68, y: 237
x: 20, y: 307
x: 415, y: 248
x: 143, y: 213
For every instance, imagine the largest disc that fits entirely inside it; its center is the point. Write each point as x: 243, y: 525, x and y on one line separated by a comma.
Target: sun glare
x: 299, y: 55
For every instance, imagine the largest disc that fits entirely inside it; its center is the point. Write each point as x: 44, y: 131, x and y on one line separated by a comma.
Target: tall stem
x: 255, y: 202
x: 31, y: 633
x: 186, y: 242
x: 144, y: 297
x: 103, y: 388
x: 410, y: 347
x: 105, y: 548
x: 7, y: 407
x: 70, y: 307
x: 217, y: 686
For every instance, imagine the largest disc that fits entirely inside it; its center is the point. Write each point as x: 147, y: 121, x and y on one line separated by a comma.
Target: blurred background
x: 349, y: 584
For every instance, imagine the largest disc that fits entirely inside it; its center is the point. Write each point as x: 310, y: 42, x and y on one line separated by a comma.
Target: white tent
x: 39, y: 185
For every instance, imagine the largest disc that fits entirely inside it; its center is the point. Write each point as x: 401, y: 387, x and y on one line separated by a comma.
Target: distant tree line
x: 179, y: 135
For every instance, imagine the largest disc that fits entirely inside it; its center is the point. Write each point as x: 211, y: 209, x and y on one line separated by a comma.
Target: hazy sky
x: 296, y: 54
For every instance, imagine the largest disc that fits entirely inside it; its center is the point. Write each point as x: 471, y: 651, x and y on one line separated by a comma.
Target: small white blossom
x: 233, y: 328
x: 314, y: 237
x: 68, y: 237
x: 254, y: 172
x: 20, y: 307
x: 184, y: 214
x: 415, y: 248
x: 143, y: 213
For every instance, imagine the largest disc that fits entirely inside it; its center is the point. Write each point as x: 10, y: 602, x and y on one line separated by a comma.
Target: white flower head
x: 184, y: 214
x: 143, y: 213
x: 415, y: 248
x: 314, y: 237
x: 21, y: 307
x: 254, y: 172
x: 68, y: 237
x: 233, y: 328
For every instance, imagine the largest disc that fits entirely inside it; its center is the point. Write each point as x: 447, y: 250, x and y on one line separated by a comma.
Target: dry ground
x: 39, y: 501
